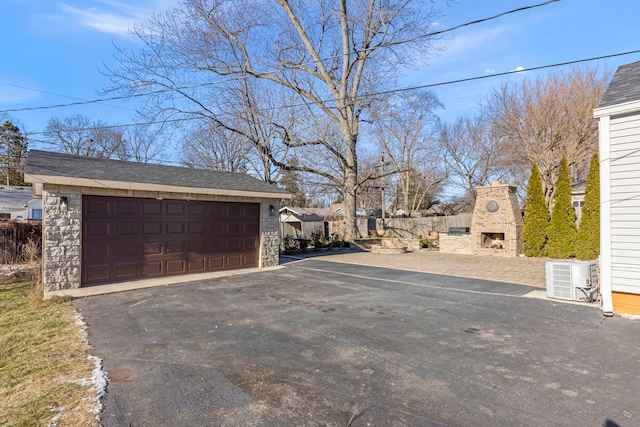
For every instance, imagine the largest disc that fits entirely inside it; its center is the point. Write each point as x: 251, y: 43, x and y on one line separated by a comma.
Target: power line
x: 56, y: 94
x: 404, y: 89
x: 160, y: 91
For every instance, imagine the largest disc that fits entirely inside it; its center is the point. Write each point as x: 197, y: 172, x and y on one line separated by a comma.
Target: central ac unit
x: 566, y: 279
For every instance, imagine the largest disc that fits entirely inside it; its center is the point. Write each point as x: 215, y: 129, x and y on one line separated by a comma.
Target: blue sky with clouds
x: 53, y: 49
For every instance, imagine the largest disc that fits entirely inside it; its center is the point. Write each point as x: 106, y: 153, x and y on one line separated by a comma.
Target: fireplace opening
x: 493, y: 240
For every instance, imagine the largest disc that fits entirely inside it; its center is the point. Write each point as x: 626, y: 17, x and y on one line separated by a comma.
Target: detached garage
x: 107, y: 221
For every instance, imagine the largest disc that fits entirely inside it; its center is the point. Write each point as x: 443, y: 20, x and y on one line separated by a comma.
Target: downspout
x: 604, y: 127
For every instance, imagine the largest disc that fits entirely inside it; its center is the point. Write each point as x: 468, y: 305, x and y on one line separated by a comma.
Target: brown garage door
x: 129, y: 238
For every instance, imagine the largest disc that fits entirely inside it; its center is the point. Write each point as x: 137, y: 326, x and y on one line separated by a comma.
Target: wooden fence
x: 14, y: 236
x: 411, y: 228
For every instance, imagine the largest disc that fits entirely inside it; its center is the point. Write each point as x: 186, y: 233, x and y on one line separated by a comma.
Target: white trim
x: 617, y: 110
x: 604, y: 126
x: 141, y: 186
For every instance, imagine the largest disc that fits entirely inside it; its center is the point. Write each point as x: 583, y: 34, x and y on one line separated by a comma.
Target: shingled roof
x: 66, y: 169
x: 624, y: 86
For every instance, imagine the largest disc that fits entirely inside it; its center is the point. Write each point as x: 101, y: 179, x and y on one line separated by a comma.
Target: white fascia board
x: 604, y: 129
x: 142, y: 186
x: 617, y: 110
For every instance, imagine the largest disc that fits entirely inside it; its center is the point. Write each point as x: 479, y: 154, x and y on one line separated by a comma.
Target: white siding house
x: 619, y: 127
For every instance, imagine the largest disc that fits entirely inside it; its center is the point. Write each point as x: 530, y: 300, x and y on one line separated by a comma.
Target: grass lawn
x: 44, y: 365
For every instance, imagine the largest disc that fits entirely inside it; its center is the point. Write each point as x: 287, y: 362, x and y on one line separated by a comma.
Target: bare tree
x: 405, y: 129
x: 472, y: 155
x: 81, y: 136
x: 215, y: 148
x: 543, y: 119
x: 330, y: 56
x: 142, y: 144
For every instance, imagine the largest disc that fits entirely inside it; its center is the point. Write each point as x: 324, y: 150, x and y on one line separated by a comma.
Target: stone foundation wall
x: 456, y: 244
x: 270, y: 236
x: 61, y: 239
x: 62, y: 229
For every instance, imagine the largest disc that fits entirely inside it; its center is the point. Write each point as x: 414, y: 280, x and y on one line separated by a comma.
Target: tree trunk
x: 350, y: 189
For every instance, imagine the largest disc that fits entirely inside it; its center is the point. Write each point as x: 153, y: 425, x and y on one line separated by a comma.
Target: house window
x: 5, y: 216
x: 36, y: 213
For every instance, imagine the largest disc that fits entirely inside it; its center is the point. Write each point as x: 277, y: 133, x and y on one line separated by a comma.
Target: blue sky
x: 53, y: 49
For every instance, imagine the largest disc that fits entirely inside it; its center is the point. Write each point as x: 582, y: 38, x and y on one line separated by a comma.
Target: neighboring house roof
x: 14, y: 197
x: 624, y: 86
x: 66, y: 169
x: 291, y: 217
x: 579, y: 188
x: 319, y: 212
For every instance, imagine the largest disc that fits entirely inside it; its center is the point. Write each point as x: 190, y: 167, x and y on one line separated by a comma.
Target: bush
x: 288, y: 243
x: 536, y: 217
x: 562, y: 231
x: 427, y: 243
x: 318, y: 240
x: 588, y: 241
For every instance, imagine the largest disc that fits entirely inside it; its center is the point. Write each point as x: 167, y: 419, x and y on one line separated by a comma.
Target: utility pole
x: 382, y: 208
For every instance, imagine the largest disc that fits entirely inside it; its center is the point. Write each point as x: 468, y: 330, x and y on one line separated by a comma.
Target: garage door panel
x: 216, y: 263
x: 252, y: 210
x: 175, y: 266
x: 175, y: 227
x: 196, y: 209
x: 234, y: 261
x: 250, y: 261
x: 152, y: 227
x: 234, y: 210
x: 216, y: 228
x: 98, y: 251
x: 97, y: 207
x: 128, y: 238
x: 152, y: 268
x: 250, y: 227
x: 216, y: 245
x: 197, y: 246
x: 233, y: 244
x: 195, y: 265
x: 234, y: 227
x: 97, y: 229
x: 152, y: 248
x: 97, y: 272
x: 249, y: 244
x: 126, y: 207
x: 125, y: 270
x: 152, y: 207
x: 178, y: 246
x: 217, y: 210
x: 122, y: 250
x: 196, y: 227
x: 122, y: 228
x: 175, y: 208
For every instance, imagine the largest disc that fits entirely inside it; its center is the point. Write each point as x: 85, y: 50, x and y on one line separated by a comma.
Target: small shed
x: 301, y: 223
x: 619, y: 134
x: 108, y: 221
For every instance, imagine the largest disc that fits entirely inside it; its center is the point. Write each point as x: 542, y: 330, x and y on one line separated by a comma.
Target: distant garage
x: 107, y: 221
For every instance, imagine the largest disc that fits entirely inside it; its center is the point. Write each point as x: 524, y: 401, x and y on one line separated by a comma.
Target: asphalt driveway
x: 327, y: 344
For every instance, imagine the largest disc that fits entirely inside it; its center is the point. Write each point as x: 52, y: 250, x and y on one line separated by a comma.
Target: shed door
x: 129, y: 238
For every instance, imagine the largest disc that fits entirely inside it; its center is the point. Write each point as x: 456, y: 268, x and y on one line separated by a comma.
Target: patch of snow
x: 97, y: 383
x: 54, y: 420
x: 98, y: 380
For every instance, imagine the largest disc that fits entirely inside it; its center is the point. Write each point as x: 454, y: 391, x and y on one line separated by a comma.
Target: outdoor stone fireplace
x: 496, y: 227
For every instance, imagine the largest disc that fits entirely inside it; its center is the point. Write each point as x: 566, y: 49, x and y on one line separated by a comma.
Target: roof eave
x: 617, y: 109
x: 142, y: 186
